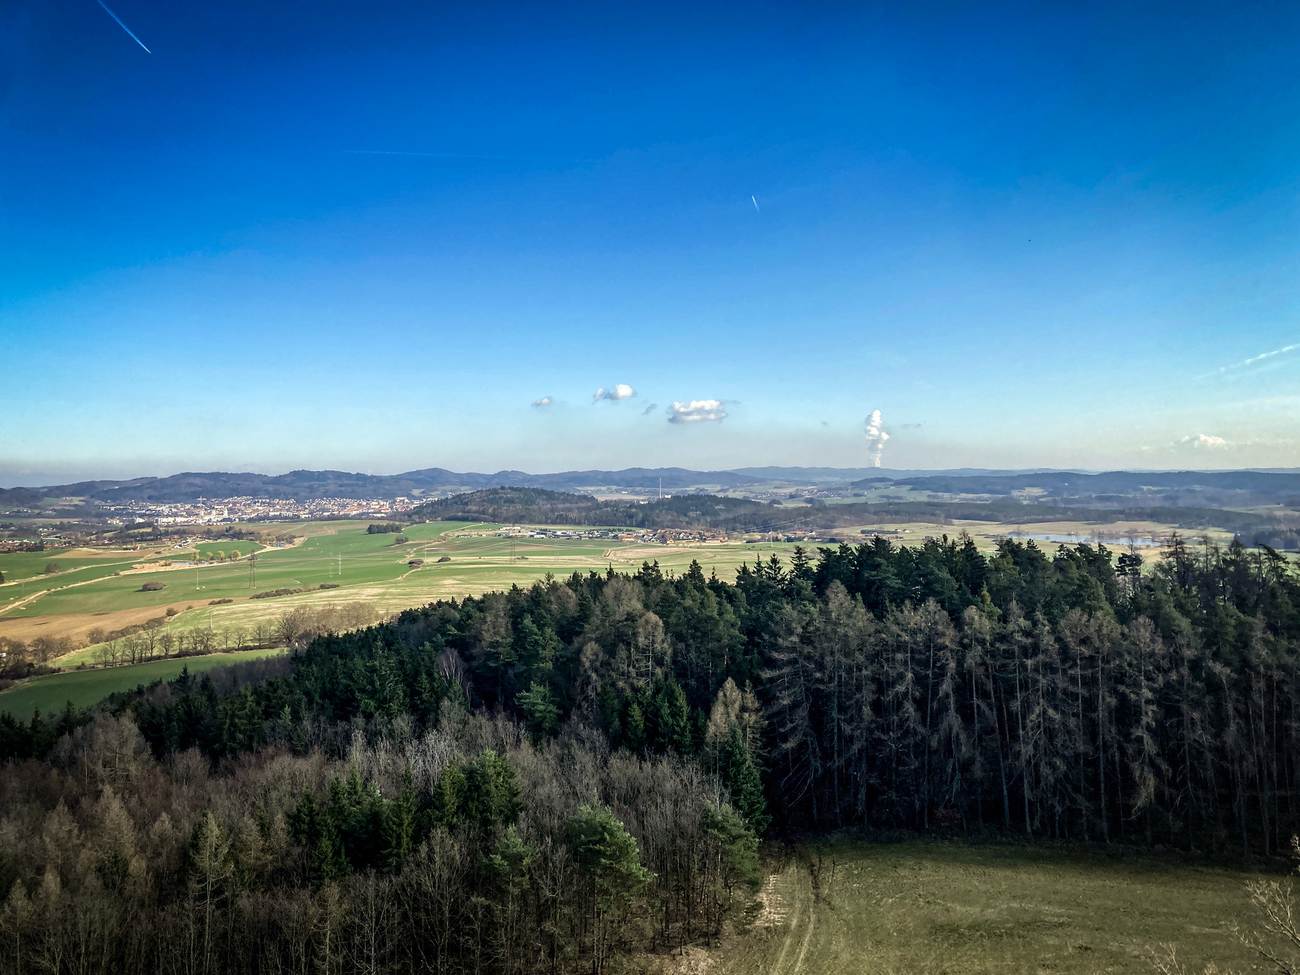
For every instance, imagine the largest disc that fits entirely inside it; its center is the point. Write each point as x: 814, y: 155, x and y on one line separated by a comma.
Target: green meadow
x: 17, y: 566
x: 88, y: 687
x: 926, y: 907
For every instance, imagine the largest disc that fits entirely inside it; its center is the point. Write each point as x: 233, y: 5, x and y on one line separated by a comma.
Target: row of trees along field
x: 542, y: 778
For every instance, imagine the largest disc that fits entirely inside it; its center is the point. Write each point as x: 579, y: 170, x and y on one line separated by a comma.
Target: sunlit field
x: 330, y: 563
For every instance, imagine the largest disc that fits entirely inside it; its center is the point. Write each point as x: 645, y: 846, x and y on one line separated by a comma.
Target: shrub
x: 153, y: 587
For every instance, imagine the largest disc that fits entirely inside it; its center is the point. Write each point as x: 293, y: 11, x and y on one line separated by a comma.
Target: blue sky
x: 372, y: 235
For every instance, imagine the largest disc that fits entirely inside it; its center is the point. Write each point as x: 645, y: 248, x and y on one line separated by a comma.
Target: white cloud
x: 697, y: 411
x: 616, y: 392
x: 1202, y: 441
x: 543, y: 403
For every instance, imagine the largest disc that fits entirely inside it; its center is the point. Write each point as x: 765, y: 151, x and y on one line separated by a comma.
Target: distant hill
x: 1177, y: 488
x: 305, y: 485
x: 1200, y: 489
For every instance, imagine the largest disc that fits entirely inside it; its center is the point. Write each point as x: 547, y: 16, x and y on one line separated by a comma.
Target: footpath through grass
x: 85, y: 688
x: 922, y: 907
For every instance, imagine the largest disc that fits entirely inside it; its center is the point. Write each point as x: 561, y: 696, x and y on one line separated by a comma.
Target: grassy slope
x: 932, y: 907
x: 86, y: 687
x: 29, y: 565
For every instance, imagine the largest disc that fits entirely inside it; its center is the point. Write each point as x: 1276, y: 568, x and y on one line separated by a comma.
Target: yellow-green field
x: 353, y: 566
x: 929, y: 907
x: 87, y: 687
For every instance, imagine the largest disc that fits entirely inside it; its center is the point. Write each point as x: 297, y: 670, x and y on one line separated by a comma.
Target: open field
x: 86, y: 687
x: 922, y: 907
x: 17, y: 566
x: 1148, y: 537
x: 350, y: 564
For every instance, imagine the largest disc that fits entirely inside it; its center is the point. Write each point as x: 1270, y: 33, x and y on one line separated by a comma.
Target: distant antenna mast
x: 252, y: 570
x: 661, y: 489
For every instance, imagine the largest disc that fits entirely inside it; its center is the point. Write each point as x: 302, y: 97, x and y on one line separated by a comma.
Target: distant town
x: 225, y: 511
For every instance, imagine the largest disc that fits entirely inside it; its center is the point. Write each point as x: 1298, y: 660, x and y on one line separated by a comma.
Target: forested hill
x: 542, y: 779
x: 540, y: 507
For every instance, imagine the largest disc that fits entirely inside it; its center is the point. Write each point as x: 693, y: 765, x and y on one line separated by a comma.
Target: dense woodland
x: 541, y: 779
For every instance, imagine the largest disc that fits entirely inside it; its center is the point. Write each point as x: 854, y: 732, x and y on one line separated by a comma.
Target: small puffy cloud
x: 697, y: 411
x: 1202, y: 441
x: 543, y: 402
x: 616, y: 392
x: 650, y: 409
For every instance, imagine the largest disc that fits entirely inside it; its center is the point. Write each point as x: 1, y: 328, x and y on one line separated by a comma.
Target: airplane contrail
x: 755, y: 199
x: 131, y: 33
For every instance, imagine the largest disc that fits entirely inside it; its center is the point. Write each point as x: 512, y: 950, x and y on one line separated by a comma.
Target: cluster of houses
x: 218, y: 511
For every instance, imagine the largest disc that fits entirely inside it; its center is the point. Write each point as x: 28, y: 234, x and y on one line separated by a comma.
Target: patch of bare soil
x: 772, y: 909
x: 76, y: 626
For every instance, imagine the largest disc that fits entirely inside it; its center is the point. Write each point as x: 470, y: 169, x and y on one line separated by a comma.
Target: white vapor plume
x: 697, y: 411
x: 543, y: 403
x: 616, y: 392
x: 876, y: 437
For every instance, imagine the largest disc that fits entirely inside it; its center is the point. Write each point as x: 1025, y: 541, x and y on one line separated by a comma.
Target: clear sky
x: 372, y: 235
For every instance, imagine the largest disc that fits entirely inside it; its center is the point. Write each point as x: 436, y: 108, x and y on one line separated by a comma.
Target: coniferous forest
x: 543, y: 779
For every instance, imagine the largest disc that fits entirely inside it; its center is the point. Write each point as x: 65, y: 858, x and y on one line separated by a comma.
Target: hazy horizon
x: 39, y: 479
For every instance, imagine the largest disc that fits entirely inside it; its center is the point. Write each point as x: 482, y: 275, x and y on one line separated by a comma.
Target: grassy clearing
x: 933, y: 907
x: 87, y: 687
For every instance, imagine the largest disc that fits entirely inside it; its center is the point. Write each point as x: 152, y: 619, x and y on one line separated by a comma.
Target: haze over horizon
x: 249, y: 237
